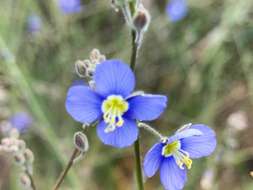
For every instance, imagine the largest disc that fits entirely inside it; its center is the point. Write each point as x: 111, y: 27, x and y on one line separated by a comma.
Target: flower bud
x: 141, y: 20
x: 96, y: 57
x: 81, y: 141
x: 94, y: 54
x: 141, y: 23
x: 29, y: 155
x: 25, y: 181
x: 19, y: 159
x: 81, y: 68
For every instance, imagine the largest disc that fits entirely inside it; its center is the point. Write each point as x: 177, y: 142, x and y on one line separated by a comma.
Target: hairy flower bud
x: 141, y: 23
x: 19, y: 159
x: 141, y: 20
x: 86, y: 68
x: 81, y: 68
x: 25, y: 181
x: 81, y: 141
x: 96, y: 57
x: 29, y: 155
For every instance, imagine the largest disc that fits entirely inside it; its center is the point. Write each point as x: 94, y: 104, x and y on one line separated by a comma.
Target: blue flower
x: 177, y: 10
x: 70, y: 6
x: 21, y: 121
x: 112, y: 104
x: 174, y: 156
x: 34, y: 23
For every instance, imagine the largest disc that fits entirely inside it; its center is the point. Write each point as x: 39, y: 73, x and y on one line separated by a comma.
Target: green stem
x: 134, y: 51
x: 137, y: 153
x: 138, y: 164
x: 65, y: 171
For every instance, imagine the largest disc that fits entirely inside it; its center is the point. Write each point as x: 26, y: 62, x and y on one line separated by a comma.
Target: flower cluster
x: 16, y: 147
x: 117, y: 110
x: 86, y: 68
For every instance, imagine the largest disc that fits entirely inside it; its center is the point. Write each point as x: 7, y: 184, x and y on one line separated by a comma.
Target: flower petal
x: 153, y: 159
x: 172, y: 177
x: 83, y: 104
x: 202, y: 145
x: 114, y: 77
x: 121, y: 137
x: 189, y: 132
x: 146, y: 107
x: 177, y: 10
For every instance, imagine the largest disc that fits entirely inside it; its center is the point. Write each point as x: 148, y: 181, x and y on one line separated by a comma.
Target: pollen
x: 180, y: 156
x: 113, y: 108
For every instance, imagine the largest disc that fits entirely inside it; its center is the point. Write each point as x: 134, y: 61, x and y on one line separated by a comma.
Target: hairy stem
x: 65, y: 171
x: 151, y: 130
x: 137, y: 153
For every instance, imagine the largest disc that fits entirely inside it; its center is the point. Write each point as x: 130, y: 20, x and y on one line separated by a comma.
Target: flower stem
x: 134, y: 51
x: 65, y: 171
x: 32, y: 181
x: 137, y: 142
x: 151, y: 130
x: 138, y: 165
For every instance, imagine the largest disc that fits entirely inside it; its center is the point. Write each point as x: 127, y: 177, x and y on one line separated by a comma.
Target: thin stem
x: 151, y: 130
x: 65, y: 171
x: 134, y: 51
x: 137, y: 153
x: 32, y: 181
x: 138, y: 164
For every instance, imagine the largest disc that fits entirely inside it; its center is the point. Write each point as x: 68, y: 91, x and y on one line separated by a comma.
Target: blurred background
x: 198, y: 53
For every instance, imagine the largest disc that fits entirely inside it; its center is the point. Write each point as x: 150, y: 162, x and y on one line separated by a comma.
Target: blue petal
x: 199, y: 146
x: 146, y: 107
x: 21, y: 121
x: 153, y: 159
x: 121, y: 137
x: 114, y: 77
x: 83, y: 104
x: 172, y: 177
x: 70, y: 6
x: 184, y: 134
x: 177, y: 10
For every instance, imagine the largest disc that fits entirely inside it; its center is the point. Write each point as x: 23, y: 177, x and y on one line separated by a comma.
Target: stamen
x: 113, y: 108
x: 181, y: 157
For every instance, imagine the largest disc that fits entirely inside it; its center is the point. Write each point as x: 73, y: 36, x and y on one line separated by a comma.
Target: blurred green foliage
x: 204, y: 63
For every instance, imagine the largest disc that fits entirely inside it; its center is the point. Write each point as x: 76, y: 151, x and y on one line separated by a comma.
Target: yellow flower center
x: 113, y: 108
x: 181, y: 157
